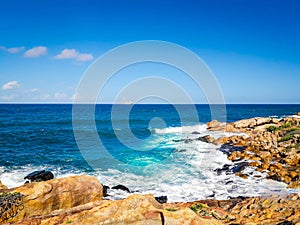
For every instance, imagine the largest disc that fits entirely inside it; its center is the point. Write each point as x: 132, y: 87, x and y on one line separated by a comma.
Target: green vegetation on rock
x: 282, y: 127
x: 171, y: 209
x: 10, y: 205
x: 272, y: 128
x: 285, y: 138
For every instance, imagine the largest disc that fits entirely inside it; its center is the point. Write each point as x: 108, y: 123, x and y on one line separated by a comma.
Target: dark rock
x: 206, y: 139
x: 41, y: 175
x: 105, y: 188
x: 203, y: 139
x: 286, y: 223
x: 274, y: 177
x: 229, y: 182
x: 228, y: 148
x: 239, y: 167
x: 121, y: 187
x: 213, y: 195
x: 240, y: 198
x: 161, y: 199
x: 235, y: 168
x: 225, y: 168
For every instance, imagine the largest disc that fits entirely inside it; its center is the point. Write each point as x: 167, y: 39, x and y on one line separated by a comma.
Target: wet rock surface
x: 38, y: 176
x: 270, y: 145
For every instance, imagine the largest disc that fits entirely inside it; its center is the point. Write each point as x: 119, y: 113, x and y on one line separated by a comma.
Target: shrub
x: 10, y: 205
x: 272, y: 128
x: 285, y: 138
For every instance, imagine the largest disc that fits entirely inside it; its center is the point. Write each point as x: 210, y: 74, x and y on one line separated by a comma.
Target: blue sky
x: 253, y: 47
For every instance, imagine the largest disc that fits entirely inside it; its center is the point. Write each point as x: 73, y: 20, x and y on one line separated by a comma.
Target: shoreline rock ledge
x: 78, y: 200
x: 42, y: 198
x: 270, y: 145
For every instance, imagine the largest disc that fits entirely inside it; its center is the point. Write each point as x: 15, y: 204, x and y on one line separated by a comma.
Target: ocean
x: 150, y: 150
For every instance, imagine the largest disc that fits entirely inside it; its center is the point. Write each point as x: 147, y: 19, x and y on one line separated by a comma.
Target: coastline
x: 270, y: 146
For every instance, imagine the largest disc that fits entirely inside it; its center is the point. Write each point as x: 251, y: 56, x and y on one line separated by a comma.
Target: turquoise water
x: 41, y: 137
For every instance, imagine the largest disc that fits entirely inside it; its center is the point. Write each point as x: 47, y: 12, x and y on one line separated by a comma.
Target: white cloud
x: 84, y: 57
x: 12, y: 50
x: 11, y: 85
x: 74, y: 54
x: 15, y: 50
x: 35, y: 52
x: 67, y: 54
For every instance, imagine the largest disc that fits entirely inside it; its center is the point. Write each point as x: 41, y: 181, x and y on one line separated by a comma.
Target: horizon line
x: 152, y: 103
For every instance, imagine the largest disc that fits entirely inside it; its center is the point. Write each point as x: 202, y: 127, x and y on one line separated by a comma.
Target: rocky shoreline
x: 269, y: 145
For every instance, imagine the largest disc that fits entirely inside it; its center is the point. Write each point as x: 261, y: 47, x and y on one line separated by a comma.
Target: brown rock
x: 261, y: 121
x: 242, y: 175
x: 233, y: 156
x: 278, y: 165
x: 221, y: 140
x: 41, y: 198
x: 287, y: 179
x: 207, y: 139
x: 254, y: 164
x: 298, y: 113
x: 215, y: 125
x: 230, y: 128
x: 136, y: 209
x: 245, y: 123
x: 291, y: 160
x: 2, y: 186
x: 264, y: 166
x: 274, y: 120
x: 294, y: 184
x: 264, y: 155
x: 293, y: 174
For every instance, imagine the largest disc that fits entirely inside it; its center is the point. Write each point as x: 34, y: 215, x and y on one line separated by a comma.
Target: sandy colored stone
x: 136, y: 210
x: 262, y: 121
x: 273, y: 156
x: 245, y: 123
x: 41, y: 198
x: 293, y: 174
x: 221, y: 140
x: 214, y: 124
x: 254, y: 164
x: 2, y: 186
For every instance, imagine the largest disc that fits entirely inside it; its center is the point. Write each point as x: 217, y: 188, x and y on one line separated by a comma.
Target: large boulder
x: 262, y: 120
x: 245, y: 123
x: 44, y: 197
x: 41, y: 175
x: 136, y: 209
x: 215, y: 125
